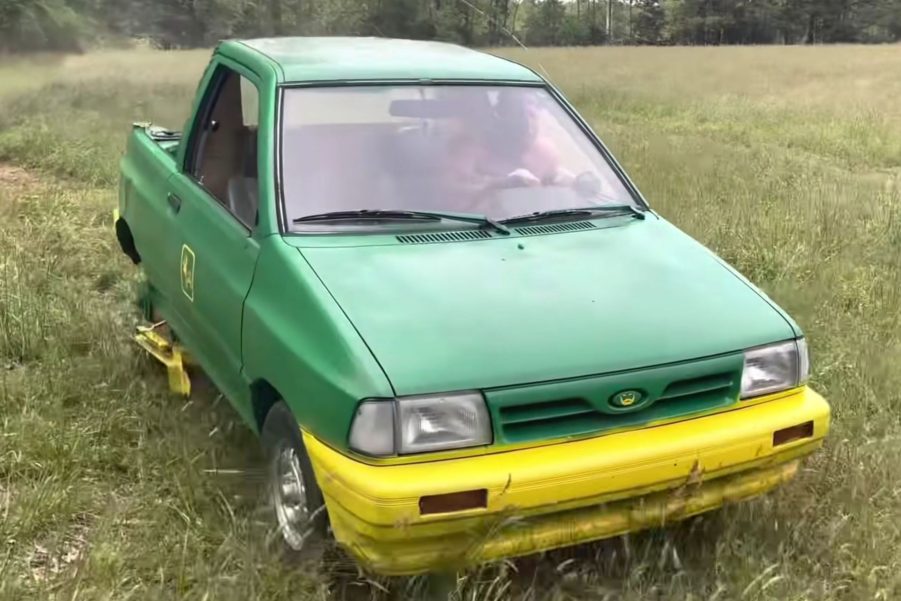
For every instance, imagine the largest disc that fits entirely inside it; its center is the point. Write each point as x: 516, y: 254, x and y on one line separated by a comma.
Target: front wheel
x: 294, y: 495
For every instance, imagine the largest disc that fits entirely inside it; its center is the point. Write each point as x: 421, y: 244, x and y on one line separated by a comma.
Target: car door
x: 147, y: 218
x: 215, y: 195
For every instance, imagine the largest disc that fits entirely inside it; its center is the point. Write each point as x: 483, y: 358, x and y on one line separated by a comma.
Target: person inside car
x: 501, y: 145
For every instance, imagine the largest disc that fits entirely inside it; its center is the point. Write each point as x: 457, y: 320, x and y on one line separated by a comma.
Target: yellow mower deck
x: 163, y: 349
x: 167, y: 352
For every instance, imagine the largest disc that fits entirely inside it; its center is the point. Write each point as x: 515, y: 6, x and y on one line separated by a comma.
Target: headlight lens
x: 421, y: 424
x: 442, y: 422
x: 775, y: 367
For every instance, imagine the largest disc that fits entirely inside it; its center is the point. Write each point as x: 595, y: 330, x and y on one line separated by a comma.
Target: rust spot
x: 403, y: 522
x: 696, y: 476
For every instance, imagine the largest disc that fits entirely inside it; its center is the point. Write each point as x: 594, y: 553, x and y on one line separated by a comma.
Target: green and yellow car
x: 459, y: 329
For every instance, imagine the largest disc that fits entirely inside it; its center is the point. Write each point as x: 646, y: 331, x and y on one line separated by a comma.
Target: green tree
x: 27, y: 25
x: 544, y: 23
x: 650, y: 19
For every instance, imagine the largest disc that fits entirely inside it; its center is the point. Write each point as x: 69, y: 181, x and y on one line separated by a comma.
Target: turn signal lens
x: 455, y: 501
x: 787, y: 435
x: 372, y: 431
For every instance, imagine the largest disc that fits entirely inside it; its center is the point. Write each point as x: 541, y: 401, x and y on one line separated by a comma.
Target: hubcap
x: 290, y: 498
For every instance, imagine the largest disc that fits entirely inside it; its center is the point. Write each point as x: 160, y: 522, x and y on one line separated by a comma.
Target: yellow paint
x: 187, y: 271
x: 627, y: 399
x: 171, y: 355
x: 545, y: 497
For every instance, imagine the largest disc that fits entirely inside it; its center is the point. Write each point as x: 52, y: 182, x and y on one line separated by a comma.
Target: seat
x: 243, y: 198
x: 242, y: 193
x: 415, y: 164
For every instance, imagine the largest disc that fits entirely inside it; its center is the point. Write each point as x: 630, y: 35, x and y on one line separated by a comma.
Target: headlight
x: 442, y: 422
x: 775, y: 367
x: 421, y: 424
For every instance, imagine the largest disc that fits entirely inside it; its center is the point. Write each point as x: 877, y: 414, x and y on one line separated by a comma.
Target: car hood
x: 507, y: 311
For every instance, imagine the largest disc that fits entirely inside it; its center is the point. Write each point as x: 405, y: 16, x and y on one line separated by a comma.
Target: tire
x: 299, y: 517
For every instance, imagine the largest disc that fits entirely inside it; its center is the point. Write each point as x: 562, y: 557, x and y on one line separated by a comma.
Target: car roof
x: 319, y: 59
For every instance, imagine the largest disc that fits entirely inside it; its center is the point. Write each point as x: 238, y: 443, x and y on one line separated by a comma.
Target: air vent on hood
x: 443, y: 237
x: 534, y: 230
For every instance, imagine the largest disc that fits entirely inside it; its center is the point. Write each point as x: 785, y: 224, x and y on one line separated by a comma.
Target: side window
x: 224, y: 153
x: 250, y: 104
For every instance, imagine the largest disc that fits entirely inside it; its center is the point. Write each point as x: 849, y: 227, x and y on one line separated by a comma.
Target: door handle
x: 174, y: 202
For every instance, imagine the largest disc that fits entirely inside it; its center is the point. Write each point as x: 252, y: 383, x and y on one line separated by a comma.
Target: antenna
x: 506, y: 31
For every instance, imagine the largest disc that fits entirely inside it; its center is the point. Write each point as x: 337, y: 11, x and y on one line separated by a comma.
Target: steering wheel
x: 587, y: 185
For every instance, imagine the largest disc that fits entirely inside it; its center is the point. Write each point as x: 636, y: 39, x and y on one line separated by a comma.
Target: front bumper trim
x: 507, y: 535
x: 546, y: 497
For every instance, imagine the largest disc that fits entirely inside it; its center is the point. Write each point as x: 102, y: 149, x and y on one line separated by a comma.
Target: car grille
x: 579, y: 416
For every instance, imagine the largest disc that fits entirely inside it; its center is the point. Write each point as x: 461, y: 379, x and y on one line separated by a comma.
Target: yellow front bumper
x: 557, y: 495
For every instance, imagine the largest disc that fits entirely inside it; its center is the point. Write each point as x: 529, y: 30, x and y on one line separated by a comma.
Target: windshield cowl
x: 577, y: 213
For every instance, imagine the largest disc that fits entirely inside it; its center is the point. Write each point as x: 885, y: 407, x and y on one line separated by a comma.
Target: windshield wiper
x: 605, y: 210
x: 399, y: 214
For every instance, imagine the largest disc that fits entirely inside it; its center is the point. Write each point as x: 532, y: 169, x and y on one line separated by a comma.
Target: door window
x: 224, y: 155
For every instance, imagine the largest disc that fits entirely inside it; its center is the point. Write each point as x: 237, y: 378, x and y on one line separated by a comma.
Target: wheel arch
x: 263, y: 396
x: 127, y: 240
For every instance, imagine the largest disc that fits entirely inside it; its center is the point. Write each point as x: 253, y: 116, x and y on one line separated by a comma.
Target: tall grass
x: 783, y: 160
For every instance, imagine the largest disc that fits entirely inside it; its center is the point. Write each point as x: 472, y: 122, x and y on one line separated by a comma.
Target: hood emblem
x: 626, y: 399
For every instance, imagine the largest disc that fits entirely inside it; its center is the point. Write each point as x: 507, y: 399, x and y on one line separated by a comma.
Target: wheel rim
x: 289, y: 495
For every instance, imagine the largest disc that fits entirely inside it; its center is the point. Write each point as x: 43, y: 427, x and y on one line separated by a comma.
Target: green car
x: 459, y: 329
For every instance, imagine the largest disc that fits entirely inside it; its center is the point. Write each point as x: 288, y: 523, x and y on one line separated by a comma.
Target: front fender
x: 297, y: 338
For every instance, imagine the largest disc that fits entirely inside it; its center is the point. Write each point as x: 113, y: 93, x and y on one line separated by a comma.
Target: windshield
x: 499, y: 151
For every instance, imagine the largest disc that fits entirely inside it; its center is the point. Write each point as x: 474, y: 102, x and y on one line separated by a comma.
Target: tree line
x: 72, y: 25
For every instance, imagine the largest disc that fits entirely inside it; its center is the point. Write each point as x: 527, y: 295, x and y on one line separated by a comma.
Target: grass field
x: 786, y: 161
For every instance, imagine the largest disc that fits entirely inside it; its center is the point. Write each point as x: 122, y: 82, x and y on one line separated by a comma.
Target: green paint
x: 484, y: 314
x: 553, y: 331
x: 336, y: 58
x: 582, y: 406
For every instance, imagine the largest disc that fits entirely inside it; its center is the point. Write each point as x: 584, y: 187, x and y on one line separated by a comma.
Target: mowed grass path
x: 786, y: 161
